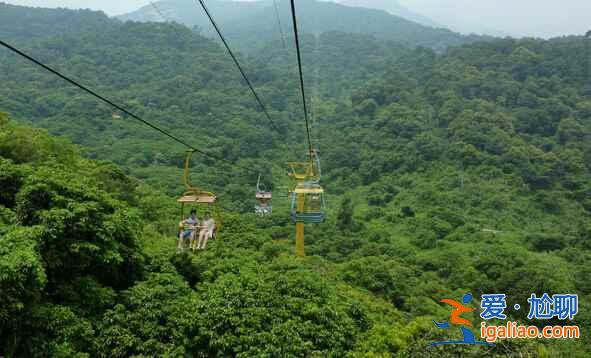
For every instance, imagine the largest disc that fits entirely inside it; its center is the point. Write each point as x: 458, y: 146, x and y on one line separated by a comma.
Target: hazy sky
x: 543, y: 18
x: 516, y: 17
x: 111, y: 7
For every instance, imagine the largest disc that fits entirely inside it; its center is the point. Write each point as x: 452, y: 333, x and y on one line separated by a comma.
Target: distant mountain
x: 252, y: 24
x: 392, y: 7
x: 189, y: 13
x: 22, y: 24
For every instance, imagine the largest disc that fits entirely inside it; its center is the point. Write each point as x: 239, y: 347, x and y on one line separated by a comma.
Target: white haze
x: 538, y: 18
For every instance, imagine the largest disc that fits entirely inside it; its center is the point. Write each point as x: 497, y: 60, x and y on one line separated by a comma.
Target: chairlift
x: 263, y: 205
x: 204, y: 202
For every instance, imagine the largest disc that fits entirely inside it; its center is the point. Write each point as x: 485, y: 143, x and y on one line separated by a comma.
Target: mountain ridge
x: 394, y: 8
x: 253, y: 23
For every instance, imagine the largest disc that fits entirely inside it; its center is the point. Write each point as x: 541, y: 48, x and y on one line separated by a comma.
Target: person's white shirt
x: 209, y: 226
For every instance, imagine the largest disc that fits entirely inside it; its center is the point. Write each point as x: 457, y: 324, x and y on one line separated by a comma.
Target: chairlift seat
x: 309, y: 218
x: 197, y: 199
x: 264, y: 195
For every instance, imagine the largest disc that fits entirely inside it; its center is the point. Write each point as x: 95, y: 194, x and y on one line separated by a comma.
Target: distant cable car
x: 204, y: 202
x: 263, y: 206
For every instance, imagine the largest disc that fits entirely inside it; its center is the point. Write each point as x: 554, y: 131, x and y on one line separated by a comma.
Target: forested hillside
x: 250, y: 25
x: 454, y: 172
x: 86, y: 271
x: 184, y: 83
x: 190, y: 14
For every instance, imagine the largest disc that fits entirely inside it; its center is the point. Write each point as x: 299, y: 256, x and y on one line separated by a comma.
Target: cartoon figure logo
x: 455, y: 319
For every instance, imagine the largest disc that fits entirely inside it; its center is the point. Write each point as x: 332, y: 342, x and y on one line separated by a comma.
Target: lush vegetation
x: 464, y: 171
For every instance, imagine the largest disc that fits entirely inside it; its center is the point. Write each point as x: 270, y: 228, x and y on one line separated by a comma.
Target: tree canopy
x: 447, y: 172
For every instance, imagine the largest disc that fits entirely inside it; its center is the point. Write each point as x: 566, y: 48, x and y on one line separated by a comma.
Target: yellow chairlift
x: 312, y: 206
x: 308, y: 203
x: 204, y: 202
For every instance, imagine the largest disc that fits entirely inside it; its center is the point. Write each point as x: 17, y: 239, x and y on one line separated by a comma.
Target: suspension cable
x: 120, y: 108
x: 297, y: 42
x: 255, y: 94
x: 279, y: 24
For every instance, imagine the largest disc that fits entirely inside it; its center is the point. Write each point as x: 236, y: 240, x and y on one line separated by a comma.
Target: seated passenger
x: 206, y: 233
x: 188, y: 228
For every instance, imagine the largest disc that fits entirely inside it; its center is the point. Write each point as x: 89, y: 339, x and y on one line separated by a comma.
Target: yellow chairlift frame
x: 307, y: 198
x: 194, y: 193
x: 196, y: 196
x: 306, y: 171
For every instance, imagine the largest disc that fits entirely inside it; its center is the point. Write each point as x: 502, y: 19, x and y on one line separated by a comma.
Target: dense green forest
x: 467, y: 170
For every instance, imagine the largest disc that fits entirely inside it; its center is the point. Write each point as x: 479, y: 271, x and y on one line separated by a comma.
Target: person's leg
x: 200, y: 240
x: 180, y: 244
x: 202, y: 234
x: 195, y: 243
x: 205, y: 239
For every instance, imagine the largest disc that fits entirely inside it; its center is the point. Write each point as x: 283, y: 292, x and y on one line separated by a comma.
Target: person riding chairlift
x: 207, y: 231
x: 188, y: 230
